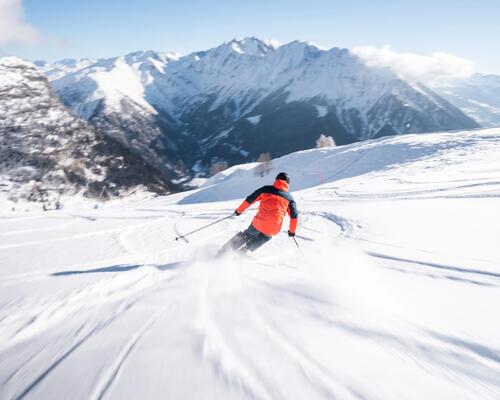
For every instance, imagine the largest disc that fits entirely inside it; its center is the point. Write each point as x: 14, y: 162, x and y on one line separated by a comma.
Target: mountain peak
x: 251, y: 46
x: 141, y: 56
x: 273, y: 43
x: 299, y: 44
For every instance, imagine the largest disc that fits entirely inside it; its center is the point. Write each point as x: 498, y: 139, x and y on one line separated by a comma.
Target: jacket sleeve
x: 294, y: 216
x: 255, y: 196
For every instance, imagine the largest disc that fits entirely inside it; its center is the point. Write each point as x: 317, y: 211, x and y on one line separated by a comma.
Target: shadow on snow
x: 117, y: 268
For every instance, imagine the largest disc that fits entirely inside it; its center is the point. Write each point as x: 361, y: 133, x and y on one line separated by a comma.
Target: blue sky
x: 469, y: 29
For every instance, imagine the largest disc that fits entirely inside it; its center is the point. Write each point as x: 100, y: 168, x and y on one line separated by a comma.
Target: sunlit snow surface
x: 394, y: 296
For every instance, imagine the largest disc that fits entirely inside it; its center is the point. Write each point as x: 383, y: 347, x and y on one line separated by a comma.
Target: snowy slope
x: 395, y: 295
x: 198, y: 105
x: 358, y: 162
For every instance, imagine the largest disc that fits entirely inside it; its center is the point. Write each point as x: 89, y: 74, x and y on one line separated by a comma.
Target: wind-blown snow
x: 393, y: 293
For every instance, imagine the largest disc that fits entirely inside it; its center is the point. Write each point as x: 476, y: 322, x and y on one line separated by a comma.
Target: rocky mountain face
x: 46, y: 151
x: 244, y: 98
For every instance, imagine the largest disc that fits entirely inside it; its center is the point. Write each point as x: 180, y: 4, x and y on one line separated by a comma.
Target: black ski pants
x: 248, y: 240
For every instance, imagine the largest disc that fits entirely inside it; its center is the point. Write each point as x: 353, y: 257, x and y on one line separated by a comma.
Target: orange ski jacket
x: 275, y: 202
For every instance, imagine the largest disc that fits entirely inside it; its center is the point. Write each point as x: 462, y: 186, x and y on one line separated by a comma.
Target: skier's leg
x: 248, y: 240
x: 234, y: 243
x: 254, y: 239
x: 245, y: 238
x: 249, y: 235
x: 257, y: 241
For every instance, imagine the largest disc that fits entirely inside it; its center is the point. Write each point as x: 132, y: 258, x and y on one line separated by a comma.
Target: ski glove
x: 237, y: 213
x: 291, y: 234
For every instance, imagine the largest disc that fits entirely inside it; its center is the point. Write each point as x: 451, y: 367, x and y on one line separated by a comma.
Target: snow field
x: 394, y: 295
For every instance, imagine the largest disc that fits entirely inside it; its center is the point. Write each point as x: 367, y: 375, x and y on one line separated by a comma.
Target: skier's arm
x: 255, y: 196
x: 294, y: 216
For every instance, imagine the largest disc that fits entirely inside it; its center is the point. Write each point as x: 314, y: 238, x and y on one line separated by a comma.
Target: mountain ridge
x: 45, y: 151
x: 178, y: 111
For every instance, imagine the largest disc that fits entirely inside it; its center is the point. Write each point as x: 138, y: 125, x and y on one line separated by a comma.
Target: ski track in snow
x: 112, y: 373
x: 396, y: 297
x: 59, y: 360
x: 124, y: 296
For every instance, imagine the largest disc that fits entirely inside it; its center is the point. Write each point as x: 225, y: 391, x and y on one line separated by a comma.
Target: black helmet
x: 284, y: 177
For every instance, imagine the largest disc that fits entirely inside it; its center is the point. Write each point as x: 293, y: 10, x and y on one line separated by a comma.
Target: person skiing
x: 275, y: 202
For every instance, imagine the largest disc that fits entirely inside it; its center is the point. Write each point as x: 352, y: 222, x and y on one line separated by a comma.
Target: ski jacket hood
x: 281, y: 185
x: 275, y: 202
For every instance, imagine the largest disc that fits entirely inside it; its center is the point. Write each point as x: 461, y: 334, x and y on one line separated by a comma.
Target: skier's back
x: 275, y: 202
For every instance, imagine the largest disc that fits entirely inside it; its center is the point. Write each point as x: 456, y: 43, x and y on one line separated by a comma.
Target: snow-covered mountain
x: 243, y: 98
x: 46, y: 151
x: 477, y: 96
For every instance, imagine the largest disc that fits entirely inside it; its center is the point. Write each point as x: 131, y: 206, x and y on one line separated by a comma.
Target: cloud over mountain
x: 428, y: 69
x: 13, y: 27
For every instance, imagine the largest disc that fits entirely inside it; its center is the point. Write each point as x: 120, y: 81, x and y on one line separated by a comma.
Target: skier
x: 275, y: 202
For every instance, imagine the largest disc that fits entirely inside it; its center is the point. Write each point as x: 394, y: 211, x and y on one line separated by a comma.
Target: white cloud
x: 13, y: 28
x: 429, y: 69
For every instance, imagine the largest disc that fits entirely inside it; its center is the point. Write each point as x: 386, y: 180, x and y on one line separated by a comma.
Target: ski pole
x: 203, y: 227
x: 300, y: 250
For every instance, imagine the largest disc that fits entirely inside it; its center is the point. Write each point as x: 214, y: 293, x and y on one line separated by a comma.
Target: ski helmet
x: 284, y: 177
